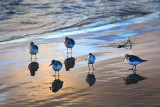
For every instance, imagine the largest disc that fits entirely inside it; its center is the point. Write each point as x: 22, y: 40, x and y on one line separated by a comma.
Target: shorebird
x: 56, y: 65
x: 69, y: 43
x: 33, y: 49
x: 91, y: 60
x: 133, y: 60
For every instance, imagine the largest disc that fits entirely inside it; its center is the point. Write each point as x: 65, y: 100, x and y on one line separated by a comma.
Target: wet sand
x: 18, y: 87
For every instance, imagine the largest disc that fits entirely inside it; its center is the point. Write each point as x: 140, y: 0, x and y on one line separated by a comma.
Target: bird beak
x: 50, y: 64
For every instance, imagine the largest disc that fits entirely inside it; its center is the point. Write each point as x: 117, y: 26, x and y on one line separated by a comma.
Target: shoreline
x: 109, y: 27
x: 18, y: 88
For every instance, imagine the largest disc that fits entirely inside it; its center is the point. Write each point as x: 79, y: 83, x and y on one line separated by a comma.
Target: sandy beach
x: 18, y: 88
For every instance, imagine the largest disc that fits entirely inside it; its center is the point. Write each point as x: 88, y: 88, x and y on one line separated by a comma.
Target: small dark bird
x: 56, y: 65
x: 33, y: 49
x: 133, y: 60
x: 69, y: 43
x: 91, y: 60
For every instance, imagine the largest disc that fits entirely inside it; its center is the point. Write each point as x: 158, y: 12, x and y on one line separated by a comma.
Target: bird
x: 56, y: 66
x: 133, y: 60
x: 33, y: 49
x: 69, y: 43
x: 91, y: 60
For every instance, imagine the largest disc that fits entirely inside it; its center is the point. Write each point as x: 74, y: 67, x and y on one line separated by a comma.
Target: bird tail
x: 144, y: 60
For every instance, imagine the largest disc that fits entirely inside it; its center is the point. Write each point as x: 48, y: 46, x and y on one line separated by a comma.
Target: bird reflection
x: 56, y: 85
x: 126, y: 45
x: 90, y: 79
x: 69, y: 62
x: 133, y: 79
x: 33, y: 67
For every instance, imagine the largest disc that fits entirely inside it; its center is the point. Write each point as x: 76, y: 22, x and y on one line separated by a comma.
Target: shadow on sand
x: 90, y: 79
x: 57, y: 84
x: 33, y: 67
x: 133, y: 79
x: 69, y: 62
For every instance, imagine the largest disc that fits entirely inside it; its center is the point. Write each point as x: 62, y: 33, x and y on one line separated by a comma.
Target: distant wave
x: 20, y: 19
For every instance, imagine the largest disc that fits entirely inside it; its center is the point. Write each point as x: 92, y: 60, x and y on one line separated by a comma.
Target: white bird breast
x: 91, y: 60
x: 33, y: 51
x: 69, y: 45
x: 56, y: 68
x: 134, y: 62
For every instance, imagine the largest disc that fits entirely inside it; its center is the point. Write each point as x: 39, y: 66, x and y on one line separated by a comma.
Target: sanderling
x: 69, y: 43
x: 91, y: 60
x: 33, y: 49
x: 133, y: 60
x: 56, y: 65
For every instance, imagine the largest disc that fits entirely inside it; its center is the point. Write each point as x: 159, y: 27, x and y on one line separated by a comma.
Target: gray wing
x: 59, y: 63
x: 94, y: 57
x: 72, y: 41
x: 35, y: 47
x: 134, y: 58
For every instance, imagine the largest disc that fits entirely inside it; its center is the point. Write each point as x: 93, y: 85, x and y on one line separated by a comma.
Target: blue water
x: 27, y: 18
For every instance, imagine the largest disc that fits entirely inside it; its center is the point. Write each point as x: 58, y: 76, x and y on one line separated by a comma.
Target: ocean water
x: 34, y: 18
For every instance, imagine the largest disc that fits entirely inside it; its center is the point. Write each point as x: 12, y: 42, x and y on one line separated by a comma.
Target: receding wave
x: 22, y: 18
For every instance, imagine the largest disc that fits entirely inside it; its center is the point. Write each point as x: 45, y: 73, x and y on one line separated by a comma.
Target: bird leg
x: 71, y: 54
x: 71, y: 50
x: 135, y: 69
x: 35, y: 56
x: 132, y: 68
x: 55, y: 73
x: 67, y: 55
x: 31, y: 56
x: 92, y: 67
x: 58, y: 75
x: 67, y: 50
x: 88, y: 67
